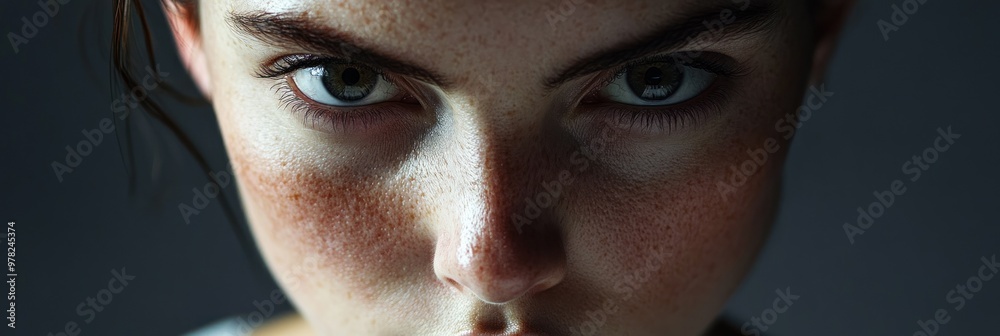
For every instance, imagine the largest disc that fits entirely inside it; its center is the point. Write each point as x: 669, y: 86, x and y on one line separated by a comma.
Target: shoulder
x: 290, y: 324
x: 293, y: 324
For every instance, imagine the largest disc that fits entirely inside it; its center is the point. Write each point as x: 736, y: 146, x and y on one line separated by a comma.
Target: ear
x: 184, y: 24
x: 830, y: 17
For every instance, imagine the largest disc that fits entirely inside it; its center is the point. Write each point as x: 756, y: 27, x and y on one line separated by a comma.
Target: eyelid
x: 283, y: 66
x: 715, y: 63
x: 286, y: 64
x: 371, y: 119
x: 659, y: 119
x: 348, y: 120
x: 646, y: 121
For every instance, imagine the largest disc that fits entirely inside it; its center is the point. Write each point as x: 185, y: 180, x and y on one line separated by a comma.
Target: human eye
x: 658, y: 82
x: 665, y: 92
x: 335, y: 94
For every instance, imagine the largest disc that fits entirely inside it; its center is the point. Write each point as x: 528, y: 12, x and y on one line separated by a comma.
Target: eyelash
x: 668, y: 118
x: 312, y: 113
x: 342, y: 118
x: 653, y: 118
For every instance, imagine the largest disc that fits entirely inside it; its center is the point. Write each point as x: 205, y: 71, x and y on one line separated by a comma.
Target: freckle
x: 350, y: 220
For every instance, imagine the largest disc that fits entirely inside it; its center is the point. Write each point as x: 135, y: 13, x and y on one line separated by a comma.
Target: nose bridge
x: 510, y: 148
x: 480, y: 249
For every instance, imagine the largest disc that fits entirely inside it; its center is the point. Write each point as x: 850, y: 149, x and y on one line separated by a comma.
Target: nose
x: 497, y: 264
x: 488, y: 246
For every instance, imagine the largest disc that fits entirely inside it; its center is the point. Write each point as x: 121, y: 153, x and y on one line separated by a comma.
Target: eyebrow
x: 292, y: 30
x: 753, y: 17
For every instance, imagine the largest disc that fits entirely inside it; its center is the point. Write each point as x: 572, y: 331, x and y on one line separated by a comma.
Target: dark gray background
x: 938, y: 70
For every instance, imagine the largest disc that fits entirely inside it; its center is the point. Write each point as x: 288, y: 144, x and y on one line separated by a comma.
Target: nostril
x: 498, y: 278
x: 491, y: 289
x: 487, y: 259
x: 454, y: 285
x: 498, y: 290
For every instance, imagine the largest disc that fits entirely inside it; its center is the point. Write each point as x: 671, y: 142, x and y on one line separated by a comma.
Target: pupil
x: 654, y: 76
x: 350, y: 76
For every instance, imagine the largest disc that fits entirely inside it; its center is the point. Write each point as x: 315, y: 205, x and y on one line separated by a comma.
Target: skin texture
x: 406, y: 226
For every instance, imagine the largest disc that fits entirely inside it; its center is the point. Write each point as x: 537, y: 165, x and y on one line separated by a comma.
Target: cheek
x: 684, y: 220
x: 679, y: 220
x: 357, y: 232
x: 670, y: 252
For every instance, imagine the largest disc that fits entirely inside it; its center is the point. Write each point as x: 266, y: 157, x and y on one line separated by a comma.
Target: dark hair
x: 131, y: 51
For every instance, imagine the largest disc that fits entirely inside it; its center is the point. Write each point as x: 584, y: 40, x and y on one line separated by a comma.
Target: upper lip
x: 511, y: 319
x: 511, y: 328
x: 519, y: 332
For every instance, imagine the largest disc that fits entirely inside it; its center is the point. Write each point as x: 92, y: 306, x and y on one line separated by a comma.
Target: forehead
x: 452, y: 37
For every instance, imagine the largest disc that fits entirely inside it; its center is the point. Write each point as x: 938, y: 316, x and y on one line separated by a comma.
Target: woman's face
x: 505, y: 167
